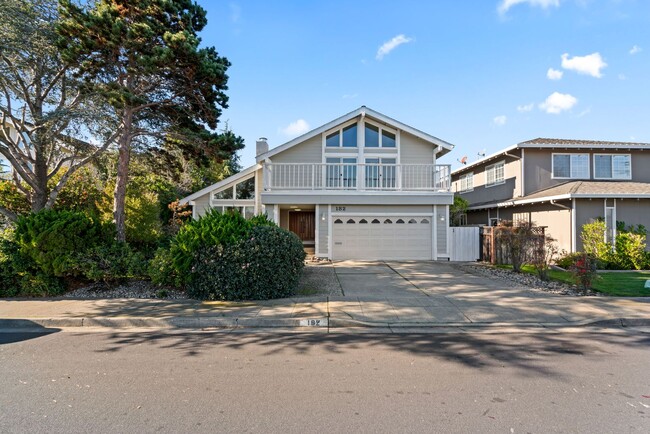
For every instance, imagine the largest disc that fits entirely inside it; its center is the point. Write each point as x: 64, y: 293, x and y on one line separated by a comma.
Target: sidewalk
x: 328, y: 313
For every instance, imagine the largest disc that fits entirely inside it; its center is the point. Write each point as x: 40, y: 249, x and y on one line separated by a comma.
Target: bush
x: 593, y: 240
x: 567, y: 260
x: 52, y: 239
x: 212, y: 229
x: 630, y: 252
x: 584, y: 271
x: 109, y: 262
x: 161, y: 269
x: 266, y: 264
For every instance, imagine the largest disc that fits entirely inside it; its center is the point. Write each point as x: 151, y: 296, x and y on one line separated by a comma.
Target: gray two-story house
x: 560, y: 184
x: 363, y: 186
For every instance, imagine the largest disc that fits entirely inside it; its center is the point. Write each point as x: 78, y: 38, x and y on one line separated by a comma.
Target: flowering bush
x: 584, y: 271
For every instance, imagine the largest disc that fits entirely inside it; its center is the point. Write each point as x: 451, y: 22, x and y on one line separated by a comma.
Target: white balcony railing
x: 367, y: 177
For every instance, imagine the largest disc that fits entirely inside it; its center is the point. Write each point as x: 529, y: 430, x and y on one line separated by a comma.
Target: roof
x: 444, y: 147
x: 542, y: 142
x: 578, y: 190
x: 211, y: 188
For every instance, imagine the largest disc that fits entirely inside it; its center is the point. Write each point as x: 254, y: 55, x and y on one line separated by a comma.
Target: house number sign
x: 314, y: 322
x: 339, y: 208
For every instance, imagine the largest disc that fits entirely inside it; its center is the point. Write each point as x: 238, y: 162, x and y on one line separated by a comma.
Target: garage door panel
x: 383, y: 237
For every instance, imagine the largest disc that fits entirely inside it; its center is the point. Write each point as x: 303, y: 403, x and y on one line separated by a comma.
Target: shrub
x: 52, y: 239
x: 584, y: 271
x: 161, y: 269
x: 544, y: 250
x: 593, y: 240
x: 266, y: 264
x: 109, y: 262
x: 212, y: 229
x: 630, y: 251
x: 518, y: 242
x: 567, y: 260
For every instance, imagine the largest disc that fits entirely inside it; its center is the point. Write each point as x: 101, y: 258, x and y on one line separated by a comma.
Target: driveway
x: 442, y: 292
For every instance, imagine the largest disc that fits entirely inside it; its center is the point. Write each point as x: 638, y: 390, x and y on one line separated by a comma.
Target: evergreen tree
x: 143, y: 58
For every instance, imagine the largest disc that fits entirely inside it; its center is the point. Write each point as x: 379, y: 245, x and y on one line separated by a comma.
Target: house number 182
x: 339, y: 208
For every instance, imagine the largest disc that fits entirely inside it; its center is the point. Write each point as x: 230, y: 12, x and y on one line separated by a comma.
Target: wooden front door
x: 303, y: 224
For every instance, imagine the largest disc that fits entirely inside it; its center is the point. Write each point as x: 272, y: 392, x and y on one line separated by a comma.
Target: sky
x: 480, y: 74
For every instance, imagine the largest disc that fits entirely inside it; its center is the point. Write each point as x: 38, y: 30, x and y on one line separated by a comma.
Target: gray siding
x: 511, y: 188
x: 322, y: 249
x: 414, y: 150
x: 309, y: 151
x: 440, y: 218
x: 201, y: 205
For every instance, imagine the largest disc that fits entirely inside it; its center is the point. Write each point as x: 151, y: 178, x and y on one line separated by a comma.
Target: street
x: 228, y: 381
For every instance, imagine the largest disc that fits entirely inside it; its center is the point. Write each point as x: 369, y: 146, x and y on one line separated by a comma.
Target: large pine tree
x: 143, y: 57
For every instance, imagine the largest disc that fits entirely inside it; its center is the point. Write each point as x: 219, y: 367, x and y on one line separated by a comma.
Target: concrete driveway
x: 441, y: 292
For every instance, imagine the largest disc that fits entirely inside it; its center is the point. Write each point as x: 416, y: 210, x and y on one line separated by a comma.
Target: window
x: 466, y: 182
x: 612, y: 166
x: 245, y: 189
x: 381, y: 173
x: 345, y: 137
x: 571, y: 166
x: 376, y: 137
x: 495, y: 174
x: 341, y: 172
x: 223, y: 194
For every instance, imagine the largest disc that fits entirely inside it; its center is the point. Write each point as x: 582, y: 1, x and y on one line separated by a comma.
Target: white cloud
x: 556, y: 103
x: 295, y: 128
x: 554, y: 74
x: 235, y: 12
x: 584, y: 112
x: 622, y: 77
x: 525, y: 108
x: 500, y: 121
x: 590, y: 64
x: 505, y: 5
x: 389, y: 46
x: 350, y: 95
x: 635, y: 49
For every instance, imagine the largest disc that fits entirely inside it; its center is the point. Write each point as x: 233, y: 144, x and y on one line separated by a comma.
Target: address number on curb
x: 313, y: 322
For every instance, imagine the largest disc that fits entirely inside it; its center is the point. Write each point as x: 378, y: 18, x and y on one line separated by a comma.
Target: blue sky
x: 480, y: 74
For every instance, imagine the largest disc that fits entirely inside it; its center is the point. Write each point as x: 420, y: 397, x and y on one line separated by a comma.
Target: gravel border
x: 130, y: 289
x: 319, y: 278
x: 531, y: 281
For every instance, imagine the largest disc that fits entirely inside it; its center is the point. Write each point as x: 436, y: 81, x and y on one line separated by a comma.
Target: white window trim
x: 339, y: 129
x: 381, y: 128
x: 612, y: 155
x: 569, y: 177
x: 487, y: 168
x: 233, y: 186
x: 465, y: 176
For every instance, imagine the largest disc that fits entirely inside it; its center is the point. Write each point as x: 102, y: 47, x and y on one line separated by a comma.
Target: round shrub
x: 266, y: 264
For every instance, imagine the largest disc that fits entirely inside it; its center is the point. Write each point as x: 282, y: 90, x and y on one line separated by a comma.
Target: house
x: 560, y: 184
x: 363, y: 186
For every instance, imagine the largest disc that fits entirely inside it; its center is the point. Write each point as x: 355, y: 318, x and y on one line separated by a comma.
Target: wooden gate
x: 464, y: 244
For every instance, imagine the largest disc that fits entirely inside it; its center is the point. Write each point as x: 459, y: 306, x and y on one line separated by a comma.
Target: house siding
x: 414, y: 150
x: 309, y: 151
x: 322, y: 249
x: 201, y: 205
x: 482, y: 193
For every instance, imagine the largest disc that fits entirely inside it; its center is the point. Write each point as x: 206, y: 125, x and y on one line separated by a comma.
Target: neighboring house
x: 363, y: 186
x: 561, y: 184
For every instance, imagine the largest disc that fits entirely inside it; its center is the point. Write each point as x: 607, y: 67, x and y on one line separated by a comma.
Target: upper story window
x: 243, y: 190
x: 346, y: 137
x: 466, y: 182
x: 495, y: 174
x: 571, y: 166
x: 376, y: 137
x: 612, y: 166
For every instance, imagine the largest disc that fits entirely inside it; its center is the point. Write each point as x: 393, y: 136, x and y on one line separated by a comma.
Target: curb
x: 302, y: 323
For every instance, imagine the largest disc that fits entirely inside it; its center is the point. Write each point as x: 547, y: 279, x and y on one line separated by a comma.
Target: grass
x: 619, y: 284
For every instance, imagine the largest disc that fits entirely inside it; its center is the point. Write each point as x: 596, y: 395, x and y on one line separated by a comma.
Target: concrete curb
x: 303, y: 323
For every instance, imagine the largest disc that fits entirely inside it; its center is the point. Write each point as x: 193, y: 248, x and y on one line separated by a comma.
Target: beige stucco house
x: 560, y: 184
x: 363, y: 186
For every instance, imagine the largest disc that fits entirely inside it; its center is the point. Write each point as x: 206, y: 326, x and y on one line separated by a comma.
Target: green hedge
x: 266, y: 264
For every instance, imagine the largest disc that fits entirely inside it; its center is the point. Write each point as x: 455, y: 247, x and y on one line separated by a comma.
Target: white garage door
x: 389, y: 237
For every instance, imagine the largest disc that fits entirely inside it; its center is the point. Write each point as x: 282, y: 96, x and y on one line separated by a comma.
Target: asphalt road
x: 71, y: 382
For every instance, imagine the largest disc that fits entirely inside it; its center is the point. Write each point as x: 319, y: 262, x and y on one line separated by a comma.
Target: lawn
x: 619, y: 284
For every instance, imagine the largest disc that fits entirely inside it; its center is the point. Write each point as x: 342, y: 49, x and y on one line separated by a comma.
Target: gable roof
x: 578, y: 190
x: 443, y: 147
x: 542, y: 142
x: 222, y: 183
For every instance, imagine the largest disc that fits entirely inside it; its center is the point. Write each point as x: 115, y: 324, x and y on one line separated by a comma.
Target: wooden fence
x: 493, y: 249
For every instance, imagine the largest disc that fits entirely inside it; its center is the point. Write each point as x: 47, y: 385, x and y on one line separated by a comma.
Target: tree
x: 43, y: 113
x: 143, y: 58
x: 457, y: 210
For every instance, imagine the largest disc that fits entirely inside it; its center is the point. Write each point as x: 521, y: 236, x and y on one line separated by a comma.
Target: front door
x: 302, y: 223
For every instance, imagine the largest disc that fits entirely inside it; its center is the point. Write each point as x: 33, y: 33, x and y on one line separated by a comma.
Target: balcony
x: 357, y: 177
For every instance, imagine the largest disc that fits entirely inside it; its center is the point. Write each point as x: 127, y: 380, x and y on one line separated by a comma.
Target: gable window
x: 495, y: 174
x: 466, y: 182
x: 245, y: 189
x: 571, y: 166
x: 223, y: 194
x: 341, y: 172
x: 376, y: 137
x: 613, y: 166
x: 346, y: 137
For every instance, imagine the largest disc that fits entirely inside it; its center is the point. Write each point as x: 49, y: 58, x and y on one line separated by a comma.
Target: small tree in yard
x: 544, y: 251
x: 143, y: 58
x: 516, y: 240
x: 584, y: 271
x: 457, y: 210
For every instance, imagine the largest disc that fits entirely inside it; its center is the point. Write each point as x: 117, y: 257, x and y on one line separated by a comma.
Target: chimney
x: 262, y: 146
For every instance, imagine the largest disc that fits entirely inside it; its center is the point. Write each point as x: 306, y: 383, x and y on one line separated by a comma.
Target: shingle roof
x: 541, y: 141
